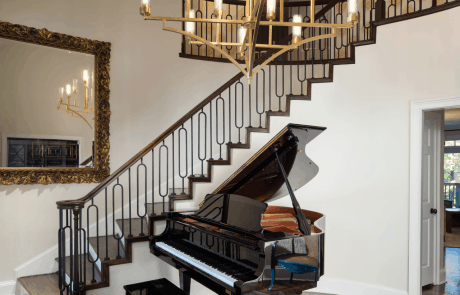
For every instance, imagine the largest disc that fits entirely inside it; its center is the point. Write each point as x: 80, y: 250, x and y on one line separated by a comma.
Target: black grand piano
x: 237, y: 244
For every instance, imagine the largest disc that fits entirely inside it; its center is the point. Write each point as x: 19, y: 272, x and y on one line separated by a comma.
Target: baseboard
x: 344, y: 287
x: 7, y: 287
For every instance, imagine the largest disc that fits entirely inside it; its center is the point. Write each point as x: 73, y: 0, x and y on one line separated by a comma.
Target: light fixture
x: 74, y: 109
x: 271, y: 10
x: 249, y: 26
x: 217, y: 7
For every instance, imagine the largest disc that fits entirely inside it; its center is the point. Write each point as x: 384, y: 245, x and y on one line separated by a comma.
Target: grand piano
x: 237, y: 244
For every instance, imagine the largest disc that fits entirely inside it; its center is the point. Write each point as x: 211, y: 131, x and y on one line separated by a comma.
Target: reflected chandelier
x: 247, y: 34
x: 74, y: 109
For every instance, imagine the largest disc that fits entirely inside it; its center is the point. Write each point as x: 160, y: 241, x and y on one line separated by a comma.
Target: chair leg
x: 290, y: 280
x: 316, y: 279
x: 273, y: 280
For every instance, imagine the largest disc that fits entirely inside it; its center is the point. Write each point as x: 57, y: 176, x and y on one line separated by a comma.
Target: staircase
x: 99, y: 229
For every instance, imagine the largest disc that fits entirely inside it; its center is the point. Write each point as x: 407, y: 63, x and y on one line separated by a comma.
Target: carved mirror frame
x: 101, y: 52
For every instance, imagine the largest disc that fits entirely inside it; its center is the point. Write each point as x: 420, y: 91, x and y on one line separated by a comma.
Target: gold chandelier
x: 74, y: 109
x: 247, y: 34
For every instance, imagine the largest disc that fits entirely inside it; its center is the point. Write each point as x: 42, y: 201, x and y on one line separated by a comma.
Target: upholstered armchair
x: 298, y: 256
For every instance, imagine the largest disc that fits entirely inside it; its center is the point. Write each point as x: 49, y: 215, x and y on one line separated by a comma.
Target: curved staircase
x: 105, y: 232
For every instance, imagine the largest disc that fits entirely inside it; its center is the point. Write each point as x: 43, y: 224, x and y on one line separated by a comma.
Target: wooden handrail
x: 178, y: 124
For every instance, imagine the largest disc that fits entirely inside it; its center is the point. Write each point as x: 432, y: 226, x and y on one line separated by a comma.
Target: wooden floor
x: 452, y: 287
x: 41, y: 284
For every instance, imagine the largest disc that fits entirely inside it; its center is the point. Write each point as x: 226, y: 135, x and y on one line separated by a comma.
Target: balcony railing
x: 452, y: 193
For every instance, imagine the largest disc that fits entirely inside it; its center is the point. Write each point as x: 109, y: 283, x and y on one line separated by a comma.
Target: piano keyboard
x: 221, y: 268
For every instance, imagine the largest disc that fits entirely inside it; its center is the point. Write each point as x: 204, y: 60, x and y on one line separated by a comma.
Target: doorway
x: 426, y: 232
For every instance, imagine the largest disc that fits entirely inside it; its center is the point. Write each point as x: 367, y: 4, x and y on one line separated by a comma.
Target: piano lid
x: 261, y: 179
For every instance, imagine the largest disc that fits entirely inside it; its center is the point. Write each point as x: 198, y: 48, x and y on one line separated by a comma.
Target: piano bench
x: 155, y: 287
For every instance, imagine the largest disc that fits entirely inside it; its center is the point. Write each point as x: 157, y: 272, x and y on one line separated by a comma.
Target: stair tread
x: 135, y: 226
x: 41, y: 284
x: 112, y: 247
x: 88, y: 269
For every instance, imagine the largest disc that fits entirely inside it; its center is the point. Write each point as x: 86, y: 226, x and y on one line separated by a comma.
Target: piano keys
x: 237, y: 244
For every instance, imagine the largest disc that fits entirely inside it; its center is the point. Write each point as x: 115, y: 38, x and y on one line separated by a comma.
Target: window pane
x: 449, y: 143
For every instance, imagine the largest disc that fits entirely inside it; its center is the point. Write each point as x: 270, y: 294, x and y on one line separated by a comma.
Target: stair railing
x: 185, y: 152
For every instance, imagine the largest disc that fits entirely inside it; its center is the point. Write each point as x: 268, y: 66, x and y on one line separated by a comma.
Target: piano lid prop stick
x: 303, y: 223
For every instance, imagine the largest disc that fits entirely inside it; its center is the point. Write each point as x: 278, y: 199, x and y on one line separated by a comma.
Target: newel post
x: 70, y: 222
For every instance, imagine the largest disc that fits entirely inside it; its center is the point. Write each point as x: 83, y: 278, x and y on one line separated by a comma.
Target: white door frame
x: 415, y: 189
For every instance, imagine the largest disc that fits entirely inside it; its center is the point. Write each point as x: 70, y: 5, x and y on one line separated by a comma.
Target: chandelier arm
x: 292, y: 47
x: 259, y: 6
x: 229, y: 57
x: 78, y: 116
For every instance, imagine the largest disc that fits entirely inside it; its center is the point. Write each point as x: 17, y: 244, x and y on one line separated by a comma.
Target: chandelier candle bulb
x: 296, y: 30
x: 271, y: 10
x: 190, y: 26
x: 217, y: 7
x: 352, y: 11
x: 85, y: 76
x: 241, y: 36
x: 68, y: 89
x: 145, y: 8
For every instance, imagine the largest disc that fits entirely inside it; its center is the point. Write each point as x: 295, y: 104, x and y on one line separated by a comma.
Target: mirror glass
x: 46, y: 106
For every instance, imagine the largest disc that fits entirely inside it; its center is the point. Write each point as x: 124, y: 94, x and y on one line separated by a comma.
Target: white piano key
x: 193, y: 261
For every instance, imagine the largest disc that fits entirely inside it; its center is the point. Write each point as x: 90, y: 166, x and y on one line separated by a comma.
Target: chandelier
x: 249, y: 27
x: 74, y: 109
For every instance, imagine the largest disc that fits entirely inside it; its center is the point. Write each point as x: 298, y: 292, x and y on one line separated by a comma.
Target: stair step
x: 219, y: 162
x: 276, y: 113
x: 41, y: 284
x: 239, y: 145
x: 88, y: 270
x: 112, y: 247
x: 198, y: 178
x: 257, y: 129
x: 178, y: 191
x: 135, y: 226
x: 320, y: 80
x: 298, y: 97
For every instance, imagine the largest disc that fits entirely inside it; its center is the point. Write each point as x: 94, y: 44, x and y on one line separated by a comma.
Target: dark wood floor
x: 452, y: 287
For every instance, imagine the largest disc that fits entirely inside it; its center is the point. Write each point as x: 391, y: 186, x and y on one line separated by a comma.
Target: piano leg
x: 184, y: 281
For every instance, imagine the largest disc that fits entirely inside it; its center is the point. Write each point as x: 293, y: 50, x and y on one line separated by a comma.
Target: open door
x: 432, y: 210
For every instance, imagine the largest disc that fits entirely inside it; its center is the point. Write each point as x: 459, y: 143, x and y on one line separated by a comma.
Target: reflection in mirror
x: 46, y: 106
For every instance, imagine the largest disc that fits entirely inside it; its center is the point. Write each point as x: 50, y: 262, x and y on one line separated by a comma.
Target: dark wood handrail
x: 178, y: 124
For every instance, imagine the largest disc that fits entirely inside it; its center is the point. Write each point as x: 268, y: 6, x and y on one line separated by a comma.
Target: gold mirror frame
x: 101, y: 52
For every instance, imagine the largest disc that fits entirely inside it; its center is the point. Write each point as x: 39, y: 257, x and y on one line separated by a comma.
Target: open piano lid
x: 261, y: 179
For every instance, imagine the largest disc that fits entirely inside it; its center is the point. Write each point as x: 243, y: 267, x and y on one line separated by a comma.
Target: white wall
x: 150, y: 89
x: 363, y: 183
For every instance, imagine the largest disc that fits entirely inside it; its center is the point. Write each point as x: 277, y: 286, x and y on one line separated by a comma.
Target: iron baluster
x: 122, y: 215
x: 106, y: 229
x: 236, y: 109
x: 257, y: 96
x: 93, y: 261
x: 159, y: 173
x: 130, y: 235
x: 191, y: 144
x: 229, y: 114
x: 153, y: 182
x: 173, y: 193
x: 276, y: 82
x: 145, y: 196
x: 186, y: 158
x: 199, y: 139
x: 220, y: 143
x: 210, y: 129
x: 269, y: 88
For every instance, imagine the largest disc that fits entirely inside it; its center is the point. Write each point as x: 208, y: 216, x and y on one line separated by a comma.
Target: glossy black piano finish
x: 227, y: 245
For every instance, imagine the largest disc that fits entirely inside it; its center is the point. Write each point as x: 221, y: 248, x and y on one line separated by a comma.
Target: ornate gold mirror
x: 54, y: 107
